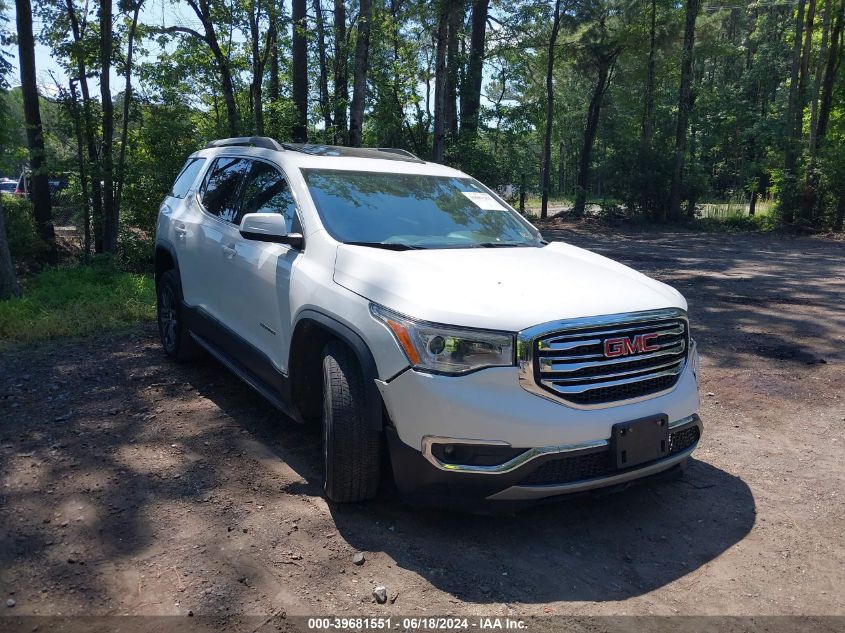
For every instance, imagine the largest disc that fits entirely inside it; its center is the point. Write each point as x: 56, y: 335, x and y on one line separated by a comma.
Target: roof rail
x: 401, y: 152
x: 264, y: 142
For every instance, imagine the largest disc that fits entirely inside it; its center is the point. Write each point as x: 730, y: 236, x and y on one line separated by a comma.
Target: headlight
x: 445, y: 349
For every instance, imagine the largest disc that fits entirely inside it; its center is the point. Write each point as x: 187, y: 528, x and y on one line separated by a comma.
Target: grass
x: 75, y: 301
x: 733, y: 208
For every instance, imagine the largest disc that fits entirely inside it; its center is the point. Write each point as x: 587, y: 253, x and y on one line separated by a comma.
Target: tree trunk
x: 299, y: 60
x: 83, y: 177
x: 273, y: 43
x: 839, y: 219
x: 110, y: 218
x: 454, y: 22
x: 228, y: 88
x: 561, y: 169
x: 359, y: 78
x: 438, y: 148
x: 752, y: 200
x: 605, y: 74
x: 471, y: 88
x: 790, y: 155
x: 810, y: 198
x: 325, y: 106
x: 684, y: 107
x: 817, y: 80
x: 127, y: 97
x: 550, y: 110
x: 34, y: 130
x: 255, y: 88
x: 834, y: 61
x: 8, y: 280
x: 648, y: 115
x: 341, y: 74
x: 96, y: 210
x: 202, y: 9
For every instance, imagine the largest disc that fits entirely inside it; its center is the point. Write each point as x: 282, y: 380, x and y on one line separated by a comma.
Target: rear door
x: 178, y: 223
x: 260, y: 272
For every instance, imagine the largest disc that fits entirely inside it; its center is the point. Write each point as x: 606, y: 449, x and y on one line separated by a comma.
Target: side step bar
x: 248, y: 377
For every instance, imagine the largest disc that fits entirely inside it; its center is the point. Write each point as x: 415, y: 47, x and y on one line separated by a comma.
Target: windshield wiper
x: 502, y: 244
x: 387, y: 246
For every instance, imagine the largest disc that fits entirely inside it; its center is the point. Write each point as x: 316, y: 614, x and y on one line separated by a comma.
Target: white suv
x: 423, y: 321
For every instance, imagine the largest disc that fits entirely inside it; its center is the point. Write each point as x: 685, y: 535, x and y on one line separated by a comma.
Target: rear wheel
x: 175, y: 337
x: 351, y: 448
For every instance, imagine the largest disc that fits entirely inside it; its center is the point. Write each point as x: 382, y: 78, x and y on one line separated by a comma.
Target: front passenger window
x: 222, y: 187
x: 267, y: 191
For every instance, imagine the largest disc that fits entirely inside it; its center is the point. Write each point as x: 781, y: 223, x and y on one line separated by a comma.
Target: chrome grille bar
x: 557, y: 364
x: 677, y: 347
x: 612, y: 383
x: 565, y: 360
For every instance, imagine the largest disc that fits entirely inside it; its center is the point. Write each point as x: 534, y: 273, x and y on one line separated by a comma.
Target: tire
x: 175, y: 336
x: 351, y: 449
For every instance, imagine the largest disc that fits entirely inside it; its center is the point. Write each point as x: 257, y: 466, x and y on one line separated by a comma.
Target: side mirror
x: 269, y: 227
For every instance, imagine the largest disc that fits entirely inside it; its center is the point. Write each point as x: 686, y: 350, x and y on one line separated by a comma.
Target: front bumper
x: 535, y: 473
x: 491, y: 405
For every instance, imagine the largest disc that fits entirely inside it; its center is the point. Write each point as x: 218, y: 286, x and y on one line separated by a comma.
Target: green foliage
x: 24, y: 241
x: 76, y: 301
x: 135, y: 250
x: 737, y: 223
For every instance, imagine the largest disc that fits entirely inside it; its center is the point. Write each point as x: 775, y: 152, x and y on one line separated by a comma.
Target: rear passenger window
x: 187, y: 177
x: 222, y: 187
x: 267, y: 191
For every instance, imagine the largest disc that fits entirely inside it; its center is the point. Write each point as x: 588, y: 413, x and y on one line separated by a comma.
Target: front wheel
x: 351, y: 448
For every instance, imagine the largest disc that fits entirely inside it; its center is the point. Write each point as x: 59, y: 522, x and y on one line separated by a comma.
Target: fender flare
x: 165, y: 245
x: 365, y: 359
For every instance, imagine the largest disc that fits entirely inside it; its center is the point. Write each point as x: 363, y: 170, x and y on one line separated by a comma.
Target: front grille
x: 574, y: 468
x: 577, y: 364
x: 597, y: 464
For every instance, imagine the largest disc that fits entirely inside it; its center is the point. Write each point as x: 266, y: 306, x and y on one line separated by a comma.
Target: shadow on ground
x: 595, y: 548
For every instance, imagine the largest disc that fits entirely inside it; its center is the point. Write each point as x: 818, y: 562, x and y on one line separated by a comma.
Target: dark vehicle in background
x: 8, y: 186
x: 58, y: 183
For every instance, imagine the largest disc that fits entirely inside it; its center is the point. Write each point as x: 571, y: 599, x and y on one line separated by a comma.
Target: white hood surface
x: 506, y: 289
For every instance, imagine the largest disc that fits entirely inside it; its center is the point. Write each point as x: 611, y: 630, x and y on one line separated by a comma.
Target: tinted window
x: 221, y: 191
x: 267, y: 191
x: 414, y: 210
x: 187, y: 177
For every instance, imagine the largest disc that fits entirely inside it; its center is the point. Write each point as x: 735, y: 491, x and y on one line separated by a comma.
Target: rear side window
x: 187, y: 177
x: 267, y: 191
x: 222, y: 188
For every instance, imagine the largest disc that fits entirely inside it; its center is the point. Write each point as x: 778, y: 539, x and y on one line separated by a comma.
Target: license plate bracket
x: 639, y: 441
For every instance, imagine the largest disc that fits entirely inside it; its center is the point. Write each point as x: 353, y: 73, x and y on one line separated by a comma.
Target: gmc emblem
x: 624, y: 346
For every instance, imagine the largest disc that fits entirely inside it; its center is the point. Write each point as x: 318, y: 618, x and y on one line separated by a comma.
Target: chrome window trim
x: 520, y: 460
x: 201, y: 183
x: 525, y: 350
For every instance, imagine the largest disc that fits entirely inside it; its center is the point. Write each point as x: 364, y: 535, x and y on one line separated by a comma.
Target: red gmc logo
x: 624, y: 346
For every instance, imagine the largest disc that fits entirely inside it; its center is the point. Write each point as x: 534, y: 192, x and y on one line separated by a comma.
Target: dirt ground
x: 130, y: 485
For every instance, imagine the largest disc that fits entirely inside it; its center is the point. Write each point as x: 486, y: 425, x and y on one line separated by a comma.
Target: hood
x: 499, y: 288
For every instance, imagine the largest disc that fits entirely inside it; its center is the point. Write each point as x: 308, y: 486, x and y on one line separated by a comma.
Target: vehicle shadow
x: 598, y: 548
x: 602, y: 547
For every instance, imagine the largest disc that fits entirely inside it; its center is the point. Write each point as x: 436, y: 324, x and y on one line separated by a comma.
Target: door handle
x: 229, y: 251
x: 181, y: 231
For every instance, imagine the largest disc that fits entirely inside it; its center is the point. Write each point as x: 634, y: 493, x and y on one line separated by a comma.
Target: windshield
x: 414, y: 211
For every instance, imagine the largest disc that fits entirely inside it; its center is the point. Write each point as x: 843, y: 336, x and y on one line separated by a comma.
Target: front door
x: 259, y: 272
x: 219, y: 199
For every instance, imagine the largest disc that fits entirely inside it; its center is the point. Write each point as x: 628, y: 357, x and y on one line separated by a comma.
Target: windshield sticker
x: 484, y: 201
